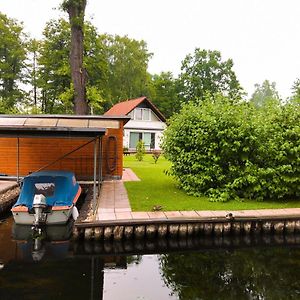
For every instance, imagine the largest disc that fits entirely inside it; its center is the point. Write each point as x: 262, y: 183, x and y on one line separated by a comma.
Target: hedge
x: 231, y: 150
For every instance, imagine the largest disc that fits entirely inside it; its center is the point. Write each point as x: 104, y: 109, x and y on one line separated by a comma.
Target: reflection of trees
x: 240, y: 274
x: 134, y: 259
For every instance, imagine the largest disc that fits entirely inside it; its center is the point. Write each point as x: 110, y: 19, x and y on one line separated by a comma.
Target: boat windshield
x: 45, y: 188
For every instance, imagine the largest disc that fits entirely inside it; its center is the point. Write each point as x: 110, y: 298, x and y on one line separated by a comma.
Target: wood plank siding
x: 36, y: 153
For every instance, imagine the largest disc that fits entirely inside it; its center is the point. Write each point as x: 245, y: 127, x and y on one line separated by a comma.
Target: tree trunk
x: 76, y: 16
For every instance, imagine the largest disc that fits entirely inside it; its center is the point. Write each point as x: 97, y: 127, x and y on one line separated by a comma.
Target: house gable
x: 146, y: 123
x: 143, y: 112
x: 127, y: 107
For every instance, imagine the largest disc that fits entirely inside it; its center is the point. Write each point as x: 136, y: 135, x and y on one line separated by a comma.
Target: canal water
x: 49, y: 266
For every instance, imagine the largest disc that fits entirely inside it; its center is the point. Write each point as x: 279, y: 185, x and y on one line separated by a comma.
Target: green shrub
x: 140, y: 150
x: 233, y: 150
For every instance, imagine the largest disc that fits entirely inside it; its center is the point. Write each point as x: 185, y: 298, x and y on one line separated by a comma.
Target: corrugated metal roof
x: 56, y: 125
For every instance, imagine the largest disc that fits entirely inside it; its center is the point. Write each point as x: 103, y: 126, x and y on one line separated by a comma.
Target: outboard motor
x: 39, y: 207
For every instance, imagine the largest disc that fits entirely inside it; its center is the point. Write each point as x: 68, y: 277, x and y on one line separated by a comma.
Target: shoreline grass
x: 156, y: 188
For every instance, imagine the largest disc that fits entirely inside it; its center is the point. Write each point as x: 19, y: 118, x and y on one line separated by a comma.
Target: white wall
x: 154, y: 125
x: 158, y: 137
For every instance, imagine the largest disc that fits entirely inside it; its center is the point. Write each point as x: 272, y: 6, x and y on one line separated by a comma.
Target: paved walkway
x: 113, y: 201
x: 114, y: 206
x: 129, y: 175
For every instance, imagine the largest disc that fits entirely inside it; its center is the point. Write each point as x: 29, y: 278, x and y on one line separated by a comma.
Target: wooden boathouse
x: 29, y: 143
x: 90, y: 146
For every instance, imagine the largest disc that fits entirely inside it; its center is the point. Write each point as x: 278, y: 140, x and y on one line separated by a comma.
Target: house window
x: 147, y: 137
x: 134, y: 138
x: 142, y: 114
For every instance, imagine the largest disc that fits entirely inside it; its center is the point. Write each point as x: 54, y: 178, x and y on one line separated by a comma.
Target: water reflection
x: 37, y: 242
x: 263, y: 273
x: 258, y: 267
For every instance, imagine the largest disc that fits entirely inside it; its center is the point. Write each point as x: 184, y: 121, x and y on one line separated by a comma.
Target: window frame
x: 142, y: 110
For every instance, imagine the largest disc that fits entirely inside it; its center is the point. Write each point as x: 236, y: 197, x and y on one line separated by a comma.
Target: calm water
x: 58, y: 269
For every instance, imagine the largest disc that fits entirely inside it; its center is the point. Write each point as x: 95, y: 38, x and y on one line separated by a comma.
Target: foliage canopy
x: 204, y: 72
x: 226, y: 150
x: 12, y: 63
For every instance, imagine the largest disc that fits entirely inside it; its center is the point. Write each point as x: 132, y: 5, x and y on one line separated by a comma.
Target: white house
x: 147, y: 123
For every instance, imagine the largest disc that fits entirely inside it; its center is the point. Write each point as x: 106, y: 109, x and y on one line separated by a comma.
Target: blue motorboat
x: 47, y: 197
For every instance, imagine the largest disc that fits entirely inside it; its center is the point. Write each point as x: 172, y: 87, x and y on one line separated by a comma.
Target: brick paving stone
x: 122, y: 209
x: 173, y: 214
x: 189, y: 214
x: 140, y: 215
x: 205, y: 213
x: 113, y: 198
x: 291, y: 210
x: 268, y: 213
x: 106, y: 216
x: 252, y: 213
x: 220, y: 213
x: 243, y: 213
x: 238, y: 212
x: 156, y: 215
x: 123, y: 216
x: 129, y: 175
x: 106, y: 210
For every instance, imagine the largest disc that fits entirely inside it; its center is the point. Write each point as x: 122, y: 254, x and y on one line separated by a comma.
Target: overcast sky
x: 261, y: 36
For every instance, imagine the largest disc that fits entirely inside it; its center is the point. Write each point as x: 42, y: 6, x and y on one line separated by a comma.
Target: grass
x: 156, y: 188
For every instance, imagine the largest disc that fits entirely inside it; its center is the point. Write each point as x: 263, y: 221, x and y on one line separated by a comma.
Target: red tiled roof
x: 125, y: 107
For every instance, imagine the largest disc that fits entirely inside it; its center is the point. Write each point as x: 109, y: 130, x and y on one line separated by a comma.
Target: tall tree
x: 205, y: 72
x: 12, y: 63
x: 116, y: 68
x: 76, y: 11
x: 163, y: 92
x: 128, y: 62
x: 264, y: 93
x: 54, y: 74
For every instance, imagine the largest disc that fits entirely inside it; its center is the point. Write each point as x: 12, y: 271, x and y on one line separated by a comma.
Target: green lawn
x: 156, y: 188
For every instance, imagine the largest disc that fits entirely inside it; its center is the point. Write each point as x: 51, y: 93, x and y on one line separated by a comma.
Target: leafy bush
x: 140, y: 150
x: 233, y: 150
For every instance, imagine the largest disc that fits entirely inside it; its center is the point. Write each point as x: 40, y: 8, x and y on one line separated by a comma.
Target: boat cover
x: 59, y: 187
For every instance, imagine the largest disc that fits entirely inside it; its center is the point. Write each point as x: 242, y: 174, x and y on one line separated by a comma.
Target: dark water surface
x: 60, y: 269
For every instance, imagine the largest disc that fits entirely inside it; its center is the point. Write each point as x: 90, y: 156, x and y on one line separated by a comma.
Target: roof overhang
x: 54, y: 132
x: 60, y: 126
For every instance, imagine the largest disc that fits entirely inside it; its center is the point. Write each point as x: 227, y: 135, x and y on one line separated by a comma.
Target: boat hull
x: 55, y: 217
x: 46, y: 198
